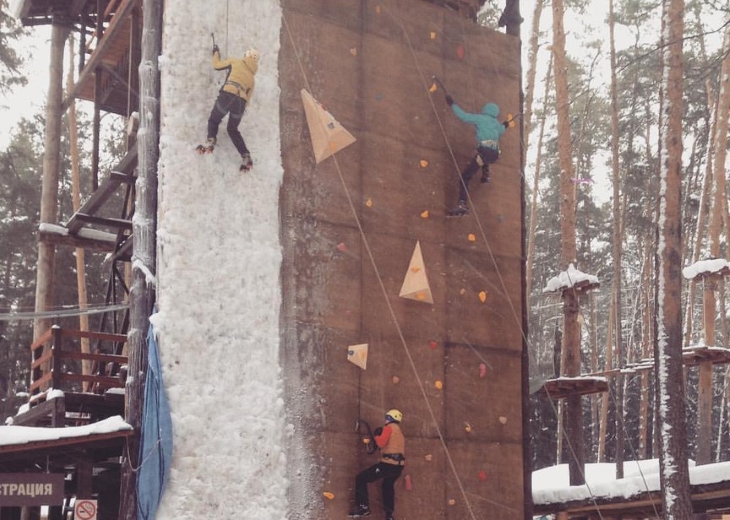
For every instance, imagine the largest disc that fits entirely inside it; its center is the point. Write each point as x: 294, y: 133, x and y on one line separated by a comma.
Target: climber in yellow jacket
x: 232, y: 99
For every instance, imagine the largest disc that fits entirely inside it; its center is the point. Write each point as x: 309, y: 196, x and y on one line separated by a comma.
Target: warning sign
x: 85, y: 509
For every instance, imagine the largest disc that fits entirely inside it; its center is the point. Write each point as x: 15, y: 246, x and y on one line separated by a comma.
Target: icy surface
x: 218, y: 267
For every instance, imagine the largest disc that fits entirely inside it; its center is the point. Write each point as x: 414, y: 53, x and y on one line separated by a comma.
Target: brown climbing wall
x: 349, y: 228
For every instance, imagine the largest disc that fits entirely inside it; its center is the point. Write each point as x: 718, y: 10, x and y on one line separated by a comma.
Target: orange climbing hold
x: 482, y: 296
x: 424, y: 214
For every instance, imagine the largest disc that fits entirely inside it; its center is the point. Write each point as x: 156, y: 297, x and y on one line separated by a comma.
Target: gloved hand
x: 449, y: 100
x: 216, y: 49
x: 507, y: 124
x: 378, y: 431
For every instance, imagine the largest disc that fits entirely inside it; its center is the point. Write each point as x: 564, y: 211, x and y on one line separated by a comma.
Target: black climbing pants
x: 234, y: 106
x: 488, y: 156
x: 389, y: 473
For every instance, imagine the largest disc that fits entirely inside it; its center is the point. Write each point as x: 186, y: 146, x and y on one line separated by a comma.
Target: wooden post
x: 51, y: 165
x: 704, y: 391
x: 142, y: 293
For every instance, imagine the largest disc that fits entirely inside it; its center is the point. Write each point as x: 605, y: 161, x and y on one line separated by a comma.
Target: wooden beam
x: 101, y: 49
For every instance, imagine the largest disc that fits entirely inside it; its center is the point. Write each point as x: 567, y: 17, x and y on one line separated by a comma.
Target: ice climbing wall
x: 350, y: 225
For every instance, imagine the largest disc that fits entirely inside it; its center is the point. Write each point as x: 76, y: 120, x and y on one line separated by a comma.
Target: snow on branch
x: 570, y: 278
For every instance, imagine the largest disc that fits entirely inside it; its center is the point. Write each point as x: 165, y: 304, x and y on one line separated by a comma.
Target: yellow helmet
x: 393, y: 415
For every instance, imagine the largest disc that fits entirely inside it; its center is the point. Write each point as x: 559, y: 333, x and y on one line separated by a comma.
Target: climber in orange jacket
x: 232, y: 99
x: 391, y: 442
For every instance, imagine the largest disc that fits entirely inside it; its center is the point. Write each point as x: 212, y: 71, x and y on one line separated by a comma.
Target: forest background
x: 615, y: 212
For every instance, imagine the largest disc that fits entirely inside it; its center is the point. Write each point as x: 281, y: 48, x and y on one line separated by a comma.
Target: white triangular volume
x: 327, y: 134
x: 415, y: 285
x: 358, y: 355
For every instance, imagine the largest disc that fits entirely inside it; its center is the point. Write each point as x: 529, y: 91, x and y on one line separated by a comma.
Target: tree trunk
x: 51, y: 166
x: 142, y: 292
x: 673, y: 465
x: 76, y: 200
x: 571, y: 307
x: 616, y: 249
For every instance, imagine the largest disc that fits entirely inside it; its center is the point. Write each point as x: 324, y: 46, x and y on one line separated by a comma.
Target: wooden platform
x: 562, y: 387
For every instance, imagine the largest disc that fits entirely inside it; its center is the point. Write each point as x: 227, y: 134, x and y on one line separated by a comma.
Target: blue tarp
x: 155, y: 451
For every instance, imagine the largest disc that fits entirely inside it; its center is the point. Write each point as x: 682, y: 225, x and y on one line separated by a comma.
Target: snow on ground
x: 219, y: 258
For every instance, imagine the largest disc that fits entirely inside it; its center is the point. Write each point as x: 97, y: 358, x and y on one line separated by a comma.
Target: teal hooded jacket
x: 488, y: 127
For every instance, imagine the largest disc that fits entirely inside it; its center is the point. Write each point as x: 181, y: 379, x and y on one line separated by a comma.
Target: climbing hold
x: 482, y: 476
x: 396, y: 380
x: 423, y: 163
x: 342, y: 247
x: 452, y: 502
x: 472, y: 237
x: 369, y: 203
x: 328, y: 495
x: 353, y: 51
x: 327, y: 135
x: 424, y: 214
x: 482, y: 296
x: 358, y: 355
x: 433, y: 88
x: 428, y: 457
x: 433, y: 344
x: 439, y: 385
x: 503, y: 419
x: 433, y: 35
x: 408, y: 483
x: 462, y: 291
x: 467, y: 427
x: 415, y: 285
x: 482, y: 370
x: 460, y: 52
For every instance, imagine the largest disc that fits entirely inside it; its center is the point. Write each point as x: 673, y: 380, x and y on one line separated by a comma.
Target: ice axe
x: 510, y: 121
x: 439, y: 84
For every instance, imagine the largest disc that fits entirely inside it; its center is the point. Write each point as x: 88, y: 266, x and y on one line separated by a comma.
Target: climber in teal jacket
x: 488, y: 131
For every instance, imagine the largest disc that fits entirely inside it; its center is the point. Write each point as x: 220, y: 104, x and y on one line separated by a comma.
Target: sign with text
x: 31, y: 489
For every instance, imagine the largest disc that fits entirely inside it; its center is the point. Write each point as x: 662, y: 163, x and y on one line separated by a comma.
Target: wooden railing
x: 48, y: 354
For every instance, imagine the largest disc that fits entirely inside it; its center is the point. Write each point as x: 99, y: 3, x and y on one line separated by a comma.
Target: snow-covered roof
x: 569, y: 278
x: 551, y: 485
x: 15, y: 435
x: 715, y: 265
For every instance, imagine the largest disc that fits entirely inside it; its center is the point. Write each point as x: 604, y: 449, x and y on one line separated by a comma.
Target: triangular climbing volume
x: 415, y: 285
x: 358, y: 354
x: 327, y: 134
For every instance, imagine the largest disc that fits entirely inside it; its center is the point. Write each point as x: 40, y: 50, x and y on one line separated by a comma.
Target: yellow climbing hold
x: 424, y: 214
x: 423, y: 163
x: 369, y: 203
x: 433, y: 88
x: 433, y: 35
x: 439, y: 385
x: 467, y: 427
x: 472, y: 237
x: 328, y: 495
x: 482, y: 296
